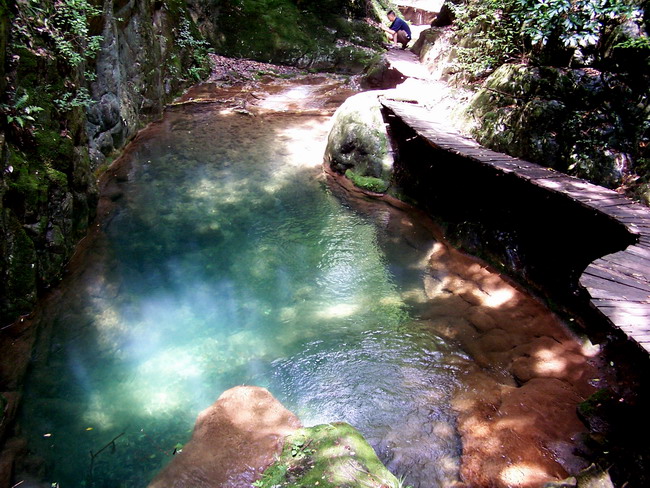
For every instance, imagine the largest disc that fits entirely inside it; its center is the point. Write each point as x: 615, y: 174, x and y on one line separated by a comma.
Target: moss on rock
x: 358, y: 141
x: 369, y: 183
x: 318, y: 35
x: 327, y: 456
x: 19, y: 281
x: 582, y: 122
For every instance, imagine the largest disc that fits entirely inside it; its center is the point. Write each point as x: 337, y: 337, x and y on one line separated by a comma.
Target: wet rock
x: 592, y: 477
x: 233, y: 441
x: 329, y: 455
x: 380, y: 75
x: 510, y: 434
x: 435, y: 49
x: 358, y: 144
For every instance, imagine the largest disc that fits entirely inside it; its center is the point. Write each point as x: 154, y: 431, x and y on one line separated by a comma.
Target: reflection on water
x: 227, y: 262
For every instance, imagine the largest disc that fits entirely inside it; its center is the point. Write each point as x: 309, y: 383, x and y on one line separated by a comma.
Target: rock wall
x: 143, y: 64
x: 80, y: 115
x: 583, y: 122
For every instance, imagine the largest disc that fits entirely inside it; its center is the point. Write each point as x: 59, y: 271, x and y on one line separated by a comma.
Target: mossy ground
x: 369, y: 183
x: 328, y: 455
x: 319, y: 35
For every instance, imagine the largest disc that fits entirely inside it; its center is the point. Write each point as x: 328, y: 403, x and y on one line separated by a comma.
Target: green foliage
x: 71, y: 33
x: 307, y: 34
x: 199, y: 49
x: 20, y: 113
x: 370, y: 183
x: 69, y: 100
x: 489, y: 32
x: 642, y: 42
x: 492, y: 32
x: 574, y: 24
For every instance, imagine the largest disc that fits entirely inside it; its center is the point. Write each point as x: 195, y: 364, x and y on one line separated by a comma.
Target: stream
x: 224, y: 258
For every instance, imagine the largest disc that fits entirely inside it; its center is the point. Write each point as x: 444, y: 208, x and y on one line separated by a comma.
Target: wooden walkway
x: 619, y: 283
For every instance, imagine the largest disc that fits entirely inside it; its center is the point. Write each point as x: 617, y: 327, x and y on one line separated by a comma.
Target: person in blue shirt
x: 399, y: 32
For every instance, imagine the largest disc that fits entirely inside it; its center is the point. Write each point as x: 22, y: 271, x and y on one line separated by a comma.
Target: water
x: 228, y: 261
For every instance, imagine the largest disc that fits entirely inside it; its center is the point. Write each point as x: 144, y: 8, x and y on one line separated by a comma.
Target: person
x: 399, y: 32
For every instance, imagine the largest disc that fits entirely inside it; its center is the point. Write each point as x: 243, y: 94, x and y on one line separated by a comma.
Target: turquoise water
x: 227, y: 260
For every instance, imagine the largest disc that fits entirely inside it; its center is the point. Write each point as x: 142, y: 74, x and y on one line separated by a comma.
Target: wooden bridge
x: 619, y: 283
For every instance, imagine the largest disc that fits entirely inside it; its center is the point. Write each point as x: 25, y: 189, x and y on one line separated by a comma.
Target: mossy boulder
x: 329, y: 456
x: 358, y: 144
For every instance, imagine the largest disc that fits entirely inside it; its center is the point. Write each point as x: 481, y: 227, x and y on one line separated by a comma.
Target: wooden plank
x: 537, y: 173
x: 643, y: 311
x: 617, y: 278
x: 621, y: 304
x: 639, y: 251
x: 599, y: 287
x: 638, y: 265
x: 623, y: 273
x: 631, y: 214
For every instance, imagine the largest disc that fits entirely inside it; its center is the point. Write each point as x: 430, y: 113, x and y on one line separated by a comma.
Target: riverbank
x: 456, y: 300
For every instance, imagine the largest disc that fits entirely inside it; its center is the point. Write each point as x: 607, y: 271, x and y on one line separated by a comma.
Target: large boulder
x: 328, y: 456
x: 358, y: 144
x: 233, y: 442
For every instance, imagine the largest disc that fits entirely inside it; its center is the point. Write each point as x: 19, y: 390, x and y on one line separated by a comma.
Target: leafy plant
x: 199, y: 49
x: 20, y: 113
x: 70, y: 100
x: 71, y: 32
x: 492, y: 32
x: 574, y: 24
x: 642, y: 42
x: 489, y: 34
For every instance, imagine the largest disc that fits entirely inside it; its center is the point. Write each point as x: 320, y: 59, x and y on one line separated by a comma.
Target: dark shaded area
x: 545, y: 240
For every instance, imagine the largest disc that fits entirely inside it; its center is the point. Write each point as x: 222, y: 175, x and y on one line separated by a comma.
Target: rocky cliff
x: 83, y: 78
x: 85, y: 75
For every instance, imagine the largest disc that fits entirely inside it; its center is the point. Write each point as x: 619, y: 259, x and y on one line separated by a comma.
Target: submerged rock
x: 233, y: 441
x: 329, y: 455
x: 358, y: 144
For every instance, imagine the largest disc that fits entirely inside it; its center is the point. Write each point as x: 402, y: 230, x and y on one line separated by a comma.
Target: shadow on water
x: 227, y: 261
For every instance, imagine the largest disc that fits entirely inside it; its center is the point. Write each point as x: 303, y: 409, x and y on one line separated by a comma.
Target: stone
x: 328, y: 455
x: 358, y: 142
x: 233, y: 441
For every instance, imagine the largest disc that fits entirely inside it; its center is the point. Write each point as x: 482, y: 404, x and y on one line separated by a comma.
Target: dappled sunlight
x: 228, y: 262
x: 338, y: 311
x: 523, y: 474
x: 498, y: 298
x: 98, y: 414
x: 549, y: 362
